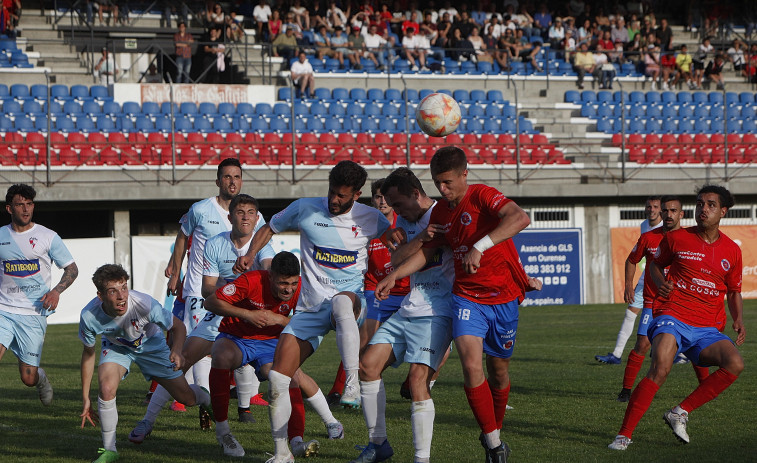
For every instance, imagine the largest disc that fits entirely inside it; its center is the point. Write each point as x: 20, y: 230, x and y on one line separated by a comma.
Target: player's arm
x: 512, y: 219
x: 209, y: 285
x: 411, y: 247
x: 736, y: 307
x: 177, y: 334
x: 257, y: 318
x: 409, y: 266
x: 173, y: 269
x: 261, y: 238
x: 87, y: 370
x: 629, y: 292
x: 50, y: 300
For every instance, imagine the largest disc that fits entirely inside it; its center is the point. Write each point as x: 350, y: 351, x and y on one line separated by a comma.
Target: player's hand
x: 629, y: 294
x: 534, y: 284
x: 50, y: 300
x: 430, y: 232
x: 665, y: 289
x: 472, y: 261
x: 172, y: 288
x: 740, y: 330
x: 257, y: 318
x: 88, y: 414
x: 395, y: 238
x: 177, y: 360
x: 242, y: 265
x: 384, y: 287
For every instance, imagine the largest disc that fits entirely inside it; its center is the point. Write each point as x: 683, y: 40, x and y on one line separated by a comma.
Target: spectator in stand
x: 412, y: 49
x: 303, y: 75
x: 751, y: 67
x: 413, y: 8
x: 459, y: 48
x: 585, y: 33
x: 360, y: 19
x: 669, y: 70
x: 683, y: 65
x: 479, y: 46
x: 412, y: 22
x: 647, y: 27
x: 183, y: 43
x: 234, y: 32
x: 356, y: 43
x: 526, y: 22
x: 714, y: 71
x: 110, y: 6
x: 737, y: 58
x: 334, y: 17
x: 284, y: 45
x: 634, y: 27
x: 502, y: 53
x: 602, y: 20
x: 619, y: 32
x: 275, y: 24
x: 448, y: 8
x: 216, y: 16
x: 494, y: 28
x: 301, y: 14
x: 527, y: 50
x: 323, y: 44
x: 617, y: 54
x: 318, y: 12
x: 341, y: 43
x: 576, y: 8
x: 428, y: 29
x: 705, y: 49
x: 290, y: 24
x: 570, y: 25
x: 379, y: 23
x: 664, y: 35
x: 262, y: 13
x: 568, y: 46
x: 543, y: 20
x: 376, y: 45
x: 556, y: 33
x: 152, y: 76
x: 634, y: 49
x: 464, y: 24
x: 583, y: 64
x: 652, y: 64
x: 606, y: 41
x: 106, y: 68
x: 443, y: 27
x: 214, y: 63
x: 602, y: 72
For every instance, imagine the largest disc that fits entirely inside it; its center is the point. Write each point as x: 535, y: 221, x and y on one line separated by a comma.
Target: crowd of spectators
x: 9, y: 16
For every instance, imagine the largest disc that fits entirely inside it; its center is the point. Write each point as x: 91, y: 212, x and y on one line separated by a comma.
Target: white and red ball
x: 438, y: 115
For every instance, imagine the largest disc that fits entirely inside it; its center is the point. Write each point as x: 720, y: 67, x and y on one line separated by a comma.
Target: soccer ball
x: 438, y: 115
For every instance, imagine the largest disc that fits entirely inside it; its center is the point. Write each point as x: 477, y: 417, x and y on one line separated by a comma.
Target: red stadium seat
x: 109, y: 156
x: 487, y: 156
x: 77, y: 140
x: 97, y: 141
x: 635, y: 154
x: 13, y: 140
x: 397, y: 156
x: 506, y: 139
x: 454, y: 139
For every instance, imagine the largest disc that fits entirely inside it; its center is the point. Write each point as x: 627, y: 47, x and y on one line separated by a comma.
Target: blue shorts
x: 691, y: 340
x: 646, y: 319
x: 153, y: 360
x: 496, y: 324
x: 381, y: 310
x: 178, y: 309
x: 256, y: 352
x: 207, y: 329
x: 638, y: 296
x: 313, y: 326
x: 422, y: 340
x: 23, y: 335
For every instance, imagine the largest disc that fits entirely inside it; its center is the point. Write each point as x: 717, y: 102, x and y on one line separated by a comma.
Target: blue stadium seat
x: 85, y: 124
x: 32, y: 107
x: 183, y: 124
x: 387, y: 125
x: 588, y: 96
x: 163, y: 124
x: 491, y: 126
x: 99, y: 92
x: 603, y: 96
x: 64, y: 124
x: 258, y: 124
x: 315, y: 124
x: 202, y: 125
x: 299, y: 125
x: 686, y: 126
x: 508, y: 126
x: 91, y: 108
x: 188, y: 108
x: 245, y: 108
x: 106, y: 124
x: 57, y: 108
x: 336, y: 109
x: 475, y: 125
x: 39, y: 92
x: 604, y: 110
x: 495, y: 96
x: 475, y: 110
x: 110, y: 107
x: 368, y: 125
x: 716, y: 126
x: 616, y: 97
x: 485, y: 67
x: 130, y: 108
x: 699, y: 97
x: 375, y: 95
x: 80, y: 92
x: 637, y: 97
x: 633, y: 126
x: 668, y: 126
x: 334, y: 125
x: 226, y: 109
x: 715, y: 97
x: 319, y: 108
x: 301, y: 109
x: 143, y: 123
x: 478, y: 96
x: 264, y: 109
x: 354, y: 110
x: 731, y: 98
x: 749, y: 126
x: 281, y: 109
x: 686, y: 110
x: 19, y: 91
x: 393, y: 95
x: 285, y: 94
x: 401, y: 66
x: 332, y: 65
x: 604, y: 126
x: 461, y: 96
x: 151, y: 108
x: 669, y: 111
x: 4, y: 92
x: 372, y: 109
x: 240, y: 124
x: 637, y: 111
x: 20, y: 60
x: 24, y: 124
x: 653, y: 126
x: 654, y: 97
x: 59, y: 92
x: 493, y: 110
x: 588, y: 110
x: 40, y: 124
x: 359, y: 94
x: 340, y: 94
x: 72, y: 108
x: 279, y: 124
x: 207, y: 108
x: 572, y: 96
x: 424, y: 93
x: 221, y: 124
x: 390, y: 110
x: 322, y: 94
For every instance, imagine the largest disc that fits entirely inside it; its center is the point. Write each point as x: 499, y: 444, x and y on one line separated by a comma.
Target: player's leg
x: 25, y: 336
x: 314, y: 396
x: 109, y: 376
x: 636, y: 356
x: 422, y: 410
x: 345, y: 309
x: 226, y: 355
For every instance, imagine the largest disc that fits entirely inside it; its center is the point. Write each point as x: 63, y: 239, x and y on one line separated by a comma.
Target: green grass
x: 565, y: 408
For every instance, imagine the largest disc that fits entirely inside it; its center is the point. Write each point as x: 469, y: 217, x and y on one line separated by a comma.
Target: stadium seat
x: 207, y: 108
x: 285, y: 94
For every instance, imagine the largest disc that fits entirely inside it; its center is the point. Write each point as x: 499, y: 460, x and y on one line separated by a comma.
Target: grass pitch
x: 565, y: 408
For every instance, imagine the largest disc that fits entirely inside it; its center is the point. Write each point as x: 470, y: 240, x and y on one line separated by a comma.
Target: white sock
x: 626, y: 330
x: 247, y: 385
x: 347, y: 332
x: 190, y: 375
x: 295, y: 440
x: 422, y: 421
x: 279, y: 410
x: 42, y: 377
x: 431, y: 383
x: 202, y: 397
x: 222, y: 428
x: 373, y: 401
x: 492, y: 439
x: 321, y: 406
x: 108, y: 413
x: 158, y: 400
x: 201, y: 372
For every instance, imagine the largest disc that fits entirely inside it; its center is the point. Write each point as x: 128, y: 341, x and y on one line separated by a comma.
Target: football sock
x: 701, y: 372
x: 431, y: 384
x: 482, y: 404
x: 321, y: 406
x: 106, y: 409
x: 422, y: 421
x: 373, y: 401
x: 201, y: 371
x: 492, y: 439
x: 347, y: 334
x: 626, y: 330
x: 633, y: 365
x: 247, y: 385
x: 158, y: 400
x: 641, y: 398
x: 338, y: 380
x: 279, y: 410
x: 190, y: 375
x: 41, y: 377
x: 296, y: 426
x: 222, y: 428
x: 708, y: 389
x: 499, y: 397
x: 153, y: 385
x: 202, y: 397
x: 219, y: 393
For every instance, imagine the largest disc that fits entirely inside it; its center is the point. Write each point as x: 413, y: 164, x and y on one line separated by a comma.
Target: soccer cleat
x: 140, y: 431
x: 498, y: 454
x: 681, y: 359
x: 231, y: 446
x: 45, y: 389
x: 333, y: 398
x: 335, y: 430
x: 624, y: 396
x: 178, y: 407
x: 373, y: 453
x: 279, y: 459
x: 245, y: 415
x: 677, y: 423
x: 620, y: 443
x: 106, y: 456
x: 351, y: 396
x: 206, y: 417
x: 609, y: 359
x: 258, y: 400
x: 306, y: 449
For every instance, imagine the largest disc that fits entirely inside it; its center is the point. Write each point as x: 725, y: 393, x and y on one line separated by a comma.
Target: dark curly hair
x: 348, y: 173
x: 726, y: 198
x: 106, y: 273
x: 21, y: 189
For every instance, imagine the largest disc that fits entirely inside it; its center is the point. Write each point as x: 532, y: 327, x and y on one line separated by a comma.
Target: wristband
x: 483, y: 244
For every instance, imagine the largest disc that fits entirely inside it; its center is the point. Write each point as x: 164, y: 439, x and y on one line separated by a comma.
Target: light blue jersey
x: 430, y: 287
x: 333, y: 248
x: 27, y: 259
x: 221, y: 255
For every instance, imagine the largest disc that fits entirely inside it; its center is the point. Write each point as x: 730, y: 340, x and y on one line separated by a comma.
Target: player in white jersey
x: 131, y: 325
x: 221, y: 253
x: 27, y: 252
x: 634, y: 297
x: 334, y: 235
x: 420, y: 333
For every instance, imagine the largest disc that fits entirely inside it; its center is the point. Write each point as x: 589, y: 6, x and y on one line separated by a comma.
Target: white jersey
x: 27, y: 259
x: 204, y: 220
x: 431, y: 287
x: 139, y: 329
x: 645, y: 227
x: 333, y: 248
x: 221, y: 255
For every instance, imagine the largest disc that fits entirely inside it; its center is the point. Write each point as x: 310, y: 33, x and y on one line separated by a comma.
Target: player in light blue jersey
x: 130, y: 323
x: 27, y: 252
x: 334, y: 235
x: 220, y: 254
x: 420, y: 333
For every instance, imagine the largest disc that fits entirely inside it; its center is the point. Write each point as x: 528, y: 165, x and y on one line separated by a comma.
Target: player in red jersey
x: 671, y: 213
x: 704, y: 264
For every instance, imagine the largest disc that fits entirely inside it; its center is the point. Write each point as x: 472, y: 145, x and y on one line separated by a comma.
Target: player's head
x: 652, y: 209
x: 377, y: 198
x: 404, y: 191
x: 713, y: 202
x: 345, y: 181
x: 285, y: 275
x: 229, y: 178
x: 671, y: 211
x: 112, y: 283
x: 449, y: 170
x: 243, y: 214
x: 19, y: 202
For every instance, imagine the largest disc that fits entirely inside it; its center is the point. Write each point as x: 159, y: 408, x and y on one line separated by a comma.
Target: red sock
x: 641, y: 399
x: 701, y: 372
x: 482, y: 404
x: 296, y: 426
x: 708, y: 389
x: 499, y: 396
x: 341, y: 377
x: 219, y: 393
x: 153, y: 385
x: 232, y: 378
x: 633, y: 365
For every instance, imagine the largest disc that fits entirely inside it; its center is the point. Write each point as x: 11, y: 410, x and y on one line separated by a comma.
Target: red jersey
x: 646, y: 246
x: 380, y: 265
x: 252, y: 291
x: 500, y: 278
x: 701, y: 273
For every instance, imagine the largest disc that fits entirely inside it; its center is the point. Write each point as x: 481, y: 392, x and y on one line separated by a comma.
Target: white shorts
x: 313, y: 326
x: 422, y: 340
x: 23, y: 335
x: 208, y: 327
